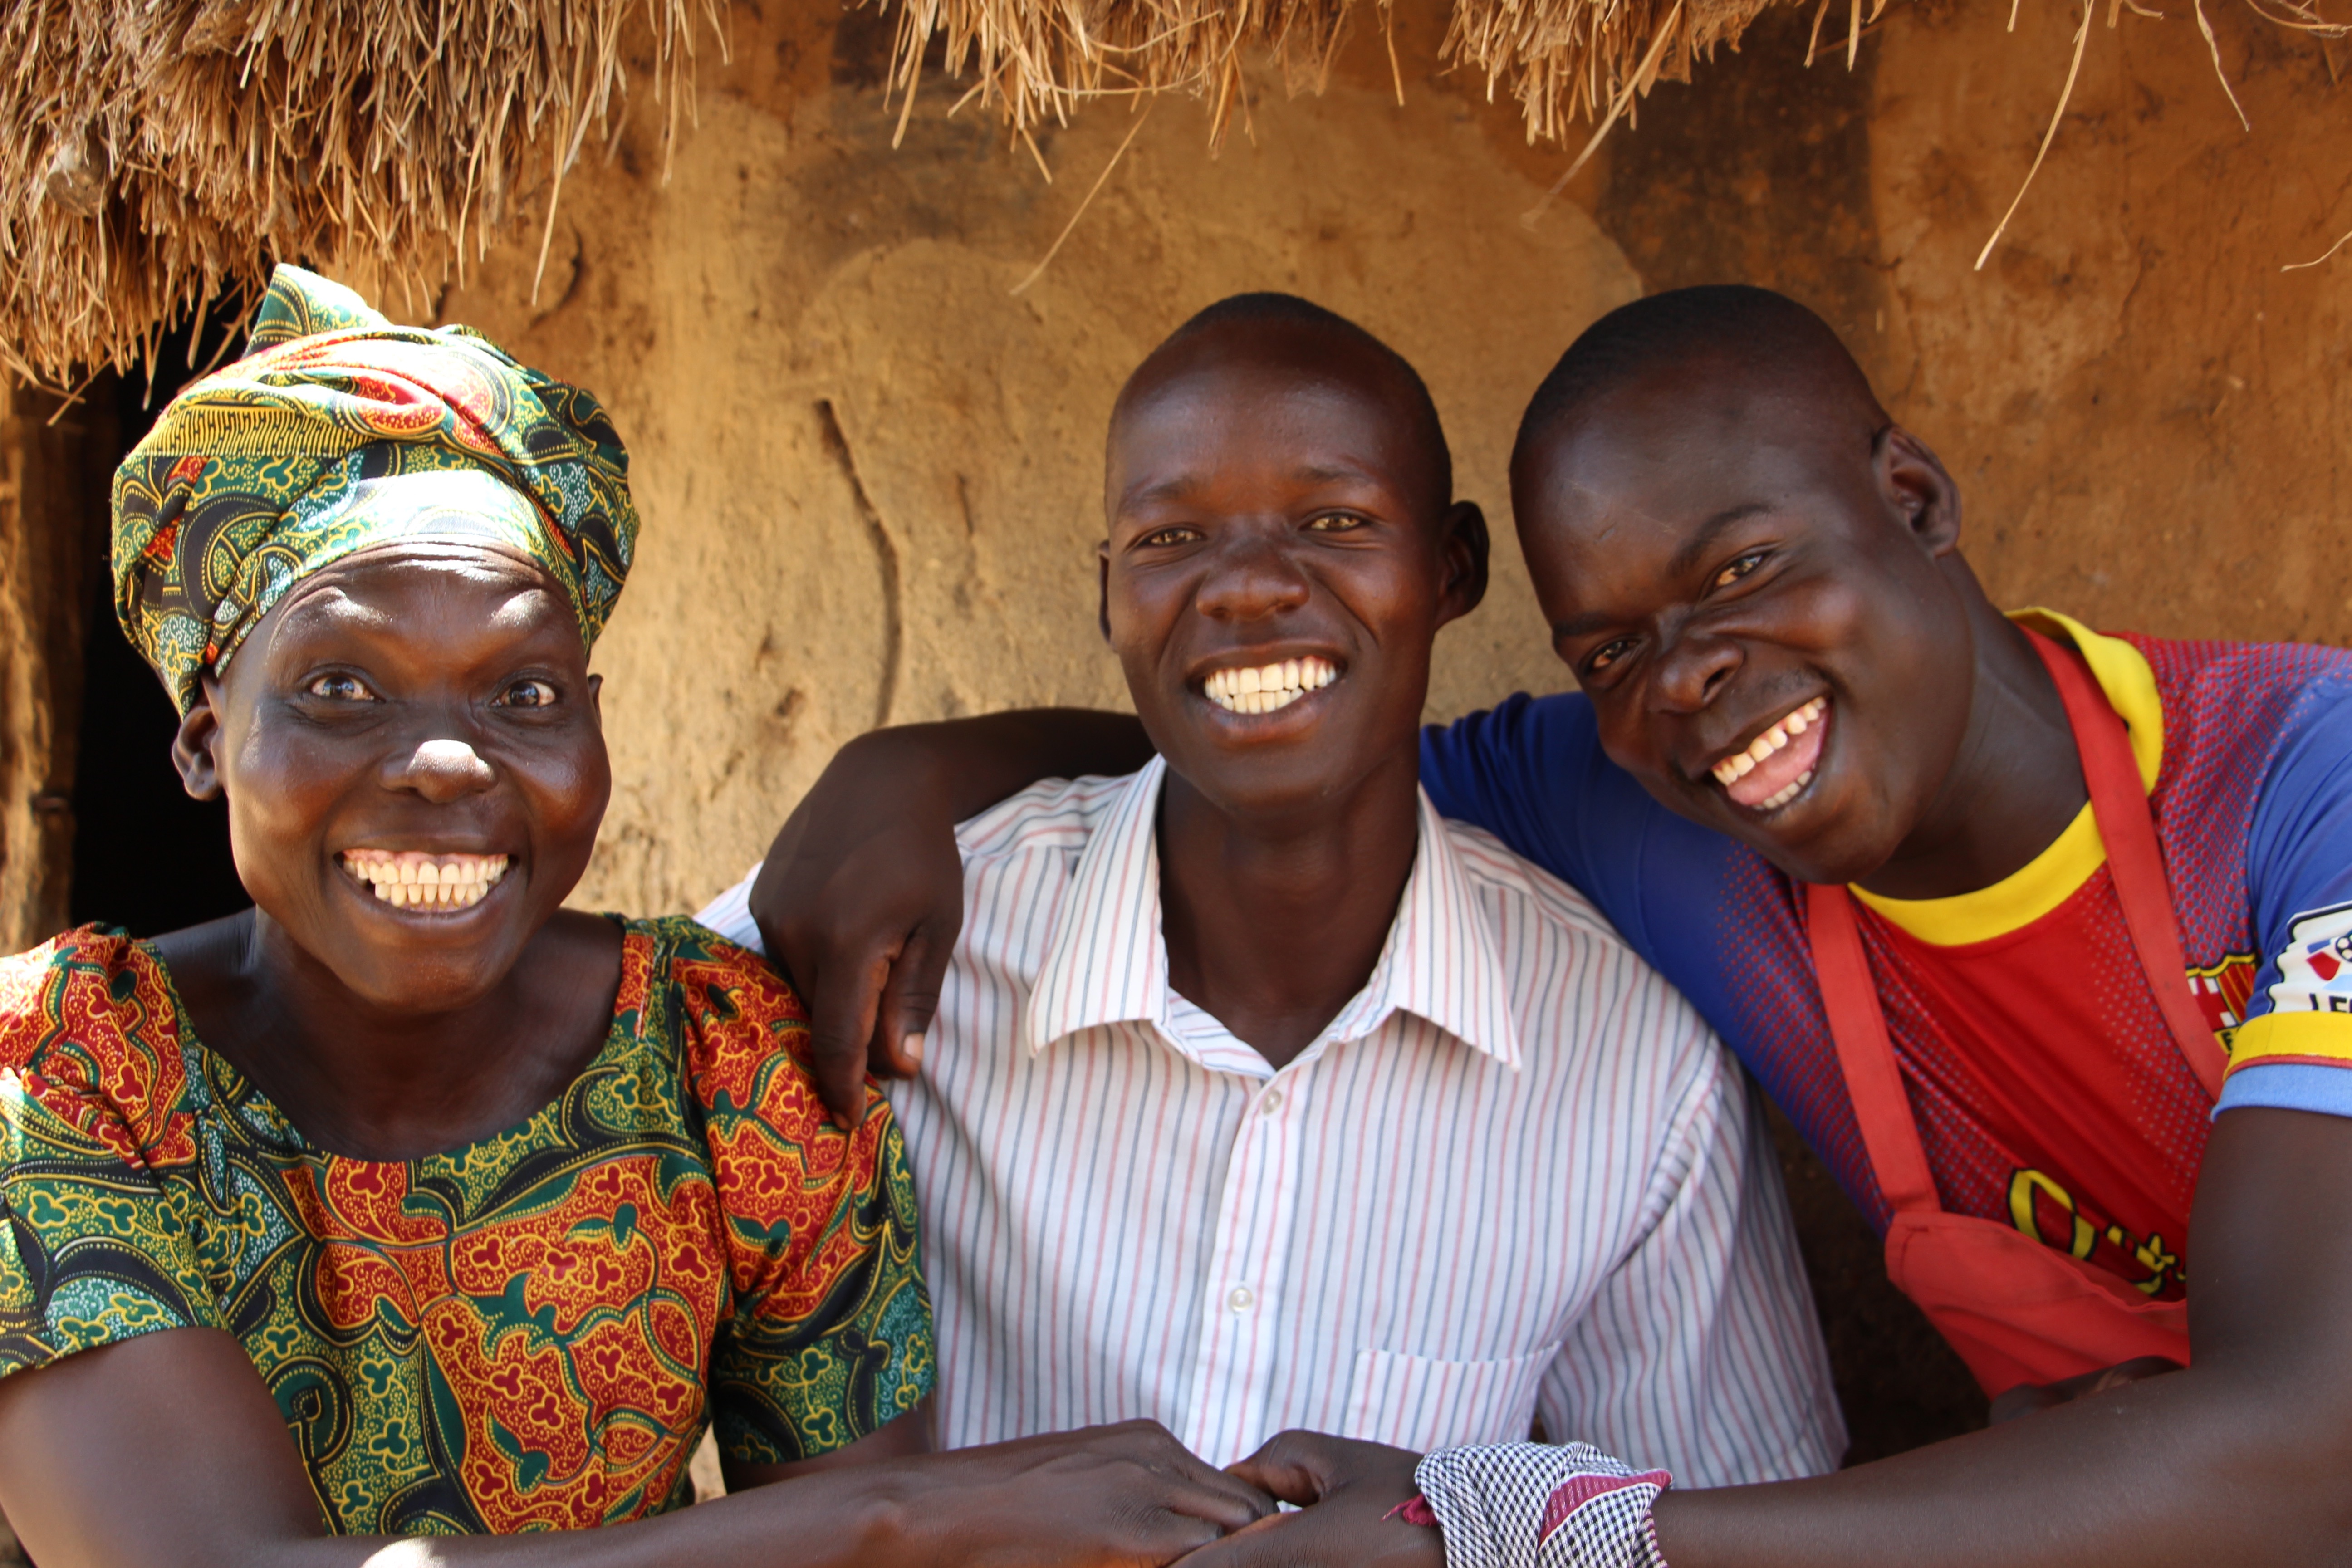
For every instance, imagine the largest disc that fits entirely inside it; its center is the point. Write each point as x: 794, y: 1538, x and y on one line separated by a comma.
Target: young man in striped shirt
x: 1259, y: 1096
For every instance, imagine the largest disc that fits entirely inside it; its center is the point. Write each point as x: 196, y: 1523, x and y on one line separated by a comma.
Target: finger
x: 1159, y: 1448
x: 842, y: 1005
x: 1292, y: 1465
x: 911, y: 999
x: 1219, y: 1499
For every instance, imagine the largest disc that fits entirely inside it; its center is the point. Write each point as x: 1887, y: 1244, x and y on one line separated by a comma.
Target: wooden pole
x: 53, y: 466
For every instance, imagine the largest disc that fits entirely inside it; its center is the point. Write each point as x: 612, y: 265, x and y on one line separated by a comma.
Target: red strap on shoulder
x: 2135, y: 859
x: 1890, y: 1134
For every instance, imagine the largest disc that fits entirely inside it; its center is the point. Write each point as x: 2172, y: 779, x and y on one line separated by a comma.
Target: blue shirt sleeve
x: 1531, y: 772
x: 2296, y: 1042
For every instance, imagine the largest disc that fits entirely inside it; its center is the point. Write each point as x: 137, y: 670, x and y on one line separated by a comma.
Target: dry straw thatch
x: 157, y: 155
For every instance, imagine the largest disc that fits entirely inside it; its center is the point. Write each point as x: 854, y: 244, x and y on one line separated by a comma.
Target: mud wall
x: 870, y: 469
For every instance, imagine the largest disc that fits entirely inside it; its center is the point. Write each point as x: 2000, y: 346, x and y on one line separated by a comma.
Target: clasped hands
x: 1346, y: 1494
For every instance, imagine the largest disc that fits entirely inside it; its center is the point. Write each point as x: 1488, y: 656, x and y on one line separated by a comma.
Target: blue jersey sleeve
x: 2294, y: 1048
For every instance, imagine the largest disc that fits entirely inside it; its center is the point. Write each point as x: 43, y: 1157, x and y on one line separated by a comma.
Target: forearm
x: 849, y: 1518
x: 974, y: 762
x: 2212, y: 1465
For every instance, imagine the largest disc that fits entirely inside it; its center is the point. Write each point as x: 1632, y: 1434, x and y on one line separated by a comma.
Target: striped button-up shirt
x: 1515, y: 1176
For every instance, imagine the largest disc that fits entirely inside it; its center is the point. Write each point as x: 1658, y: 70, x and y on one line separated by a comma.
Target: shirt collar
x: 1106, y: 962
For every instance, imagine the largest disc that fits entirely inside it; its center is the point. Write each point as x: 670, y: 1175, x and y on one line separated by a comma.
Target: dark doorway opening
x: 146, y: 857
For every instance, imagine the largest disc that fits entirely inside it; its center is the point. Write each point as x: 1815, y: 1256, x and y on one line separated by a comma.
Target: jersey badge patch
x: 2315, y: 969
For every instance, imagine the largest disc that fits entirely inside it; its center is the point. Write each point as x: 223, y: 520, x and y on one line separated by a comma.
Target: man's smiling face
x: 1747, y: 575
x: 1281, y: 553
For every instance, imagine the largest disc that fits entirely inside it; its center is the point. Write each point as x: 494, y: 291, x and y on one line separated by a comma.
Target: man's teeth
x: 1739, y: 764
x: 408, y: 879
x: 1783, y: 797
x: 1269, y: 686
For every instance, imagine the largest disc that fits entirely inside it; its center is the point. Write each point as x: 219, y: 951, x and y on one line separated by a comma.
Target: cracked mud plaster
x: 856, y: 451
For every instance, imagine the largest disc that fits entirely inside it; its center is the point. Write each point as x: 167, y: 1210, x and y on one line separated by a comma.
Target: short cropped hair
x: 1738, y: 321
x: 1292, y: 311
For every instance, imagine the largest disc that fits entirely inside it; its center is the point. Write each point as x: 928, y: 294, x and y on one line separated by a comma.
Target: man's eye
x: 528, y: 694
x: 1607, y: 653
x: 1336, y: 522
x: 1739, y: 569
x: 340, y: 689
x: 1171, y: 535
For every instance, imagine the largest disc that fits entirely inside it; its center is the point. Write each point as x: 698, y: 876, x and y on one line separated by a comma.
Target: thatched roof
x: 157, y: 155
x: 154, y: 154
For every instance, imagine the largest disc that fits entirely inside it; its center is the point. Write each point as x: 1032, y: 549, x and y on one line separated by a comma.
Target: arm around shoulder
x: 861, y: 897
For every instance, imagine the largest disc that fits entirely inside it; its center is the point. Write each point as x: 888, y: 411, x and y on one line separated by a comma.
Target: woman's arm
x: 862, y: 895
x: 902, y: 1439
x: 166, y: 1450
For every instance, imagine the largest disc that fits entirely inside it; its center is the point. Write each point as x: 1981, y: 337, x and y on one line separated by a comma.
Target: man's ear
x: 1914, y: 481
x: 1464, y: 549
x: 1102, y: 599
x: 192, y: 747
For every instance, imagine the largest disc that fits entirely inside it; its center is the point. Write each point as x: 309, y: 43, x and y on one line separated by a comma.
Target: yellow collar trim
x: 2050, y: 878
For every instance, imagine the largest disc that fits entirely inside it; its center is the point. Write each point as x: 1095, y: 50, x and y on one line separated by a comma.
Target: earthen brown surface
x: 870, y: 471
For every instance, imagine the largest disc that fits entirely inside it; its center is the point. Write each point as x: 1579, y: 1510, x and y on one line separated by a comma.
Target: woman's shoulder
x: 741, y: 1035
x: 90, y: 1031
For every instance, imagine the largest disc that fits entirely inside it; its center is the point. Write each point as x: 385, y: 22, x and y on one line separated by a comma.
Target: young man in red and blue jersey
x: 2108, y: 1131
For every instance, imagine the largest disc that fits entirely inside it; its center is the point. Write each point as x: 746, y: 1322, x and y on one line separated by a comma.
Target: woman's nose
x: 443, y: 771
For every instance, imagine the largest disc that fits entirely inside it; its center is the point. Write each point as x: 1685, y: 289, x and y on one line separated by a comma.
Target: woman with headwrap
x: 407, y: 1202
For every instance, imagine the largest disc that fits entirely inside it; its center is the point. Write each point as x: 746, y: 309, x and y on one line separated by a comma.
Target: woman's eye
x: 1739, y: 569
x: 1336, y: 522
x: 528, y: 694
x: 340, y: 689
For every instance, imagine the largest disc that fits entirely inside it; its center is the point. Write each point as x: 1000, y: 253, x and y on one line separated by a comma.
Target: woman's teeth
x: 1269, y: 687
x: 408, y: 879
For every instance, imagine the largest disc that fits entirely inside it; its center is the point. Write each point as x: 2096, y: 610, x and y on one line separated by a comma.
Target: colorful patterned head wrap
x: 339, y: 431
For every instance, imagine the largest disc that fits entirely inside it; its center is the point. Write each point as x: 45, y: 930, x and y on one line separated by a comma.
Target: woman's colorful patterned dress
x: 529, y: 1332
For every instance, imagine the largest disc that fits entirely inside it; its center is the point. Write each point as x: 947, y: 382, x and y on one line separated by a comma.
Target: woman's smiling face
x: 415, y: 766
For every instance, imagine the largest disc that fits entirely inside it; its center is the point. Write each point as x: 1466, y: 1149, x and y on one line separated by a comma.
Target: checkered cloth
x: 1531, y: 1505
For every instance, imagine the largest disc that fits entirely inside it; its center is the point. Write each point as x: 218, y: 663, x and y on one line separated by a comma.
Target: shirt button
x: 1241, y: 1301
x: 1269, y: 1103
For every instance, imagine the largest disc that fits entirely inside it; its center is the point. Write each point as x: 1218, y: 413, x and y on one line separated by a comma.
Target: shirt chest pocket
x: 1421, y: 1403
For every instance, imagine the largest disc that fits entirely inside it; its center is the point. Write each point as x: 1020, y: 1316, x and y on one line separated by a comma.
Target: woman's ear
x: 1463, y: 550
x: 192, y: 748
